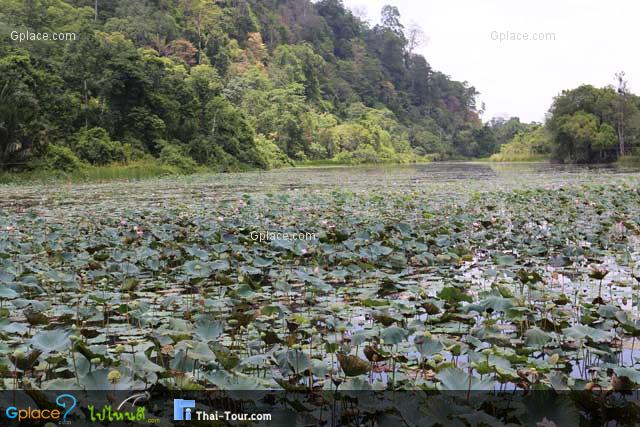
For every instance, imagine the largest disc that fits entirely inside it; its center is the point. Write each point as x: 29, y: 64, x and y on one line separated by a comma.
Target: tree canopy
x: 587, y: 123
x: 221, y: 80
x: 252, y: 83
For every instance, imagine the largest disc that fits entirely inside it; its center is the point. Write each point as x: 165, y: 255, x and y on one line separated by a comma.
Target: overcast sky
x: 594, y: 39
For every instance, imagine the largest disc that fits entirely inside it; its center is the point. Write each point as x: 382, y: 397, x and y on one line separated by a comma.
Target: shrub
x: 96, y: 147
x: 530, y: 145
x: 272, y: 156
x: 173, y: 155
x: 59, y: 158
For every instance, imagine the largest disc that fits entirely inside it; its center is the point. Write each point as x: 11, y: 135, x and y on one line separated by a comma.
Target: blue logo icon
x: 182, y: 409
x: 69, y: 405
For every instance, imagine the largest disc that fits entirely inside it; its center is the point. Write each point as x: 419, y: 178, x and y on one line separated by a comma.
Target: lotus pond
x: 426, y: 277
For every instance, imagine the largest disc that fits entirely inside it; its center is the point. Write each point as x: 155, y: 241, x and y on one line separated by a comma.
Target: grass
x: 146, y: 169
x: 133, y: 171
x: 633, y: 160
x: 332, y: 162
x: 516, y: 157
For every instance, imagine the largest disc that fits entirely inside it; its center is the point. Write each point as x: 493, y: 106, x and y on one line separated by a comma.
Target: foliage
x: 212, y: 76
x: 273, y: 157
x: 96, y: 147
x: 173, y: 155
x: 59, y: 158
x: 531, y: 144
x: 585, y: 124
x: 22, y: 130
x: 581, y: 138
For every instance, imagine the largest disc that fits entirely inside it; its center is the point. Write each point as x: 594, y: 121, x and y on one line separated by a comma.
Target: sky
x: 589, y: 41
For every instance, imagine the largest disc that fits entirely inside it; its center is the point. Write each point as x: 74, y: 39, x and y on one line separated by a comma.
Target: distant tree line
x: 595, y: 125
x: 226, y: 84
x: 230, y: 84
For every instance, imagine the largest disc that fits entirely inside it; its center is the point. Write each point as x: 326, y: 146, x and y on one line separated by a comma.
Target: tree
x: 343, y: 24
x: 390, y: 19
x: 229, y: 131
x: 415, y: 38
x: 23, y: 127
x: 203, y: 17
x: 207, y: 78
x: 622, y: 107
x: 607, y: 109
x: 581, y: 138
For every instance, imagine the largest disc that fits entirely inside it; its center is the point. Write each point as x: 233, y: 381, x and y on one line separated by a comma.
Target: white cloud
x: 593, y: 40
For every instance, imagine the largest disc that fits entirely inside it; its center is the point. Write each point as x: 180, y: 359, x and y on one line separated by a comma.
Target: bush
x: 173, y: 155
x: 96, y: 147
x: 531, y: 145
x: 272, y: 156
x: 59, y: 158
x: 582, y: 138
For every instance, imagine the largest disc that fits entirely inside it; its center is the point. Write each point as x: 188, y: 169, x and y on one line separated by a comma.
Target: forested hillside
x: 225, y: 84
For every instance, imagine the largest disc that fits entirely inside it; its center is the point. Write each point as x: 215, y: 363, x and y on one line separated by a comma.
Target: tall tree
x: 622, y: 107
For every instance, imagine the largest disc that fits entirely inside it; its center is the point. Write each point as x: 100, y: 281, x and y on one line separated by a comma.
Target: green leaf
x: 428, y: 346
x: 51, y: 341
x: 7, y: 293
x: 455, y: 379
x: 393, y: 335
x: 453, y: 295
x: 209, y: 330
x: 581, y: 332
x: 505, y: 260
x: 536, y: 338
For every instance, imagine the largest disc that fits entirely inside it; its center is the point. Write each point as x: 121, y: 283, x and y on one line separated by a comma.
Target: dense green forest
x: 233, y: 84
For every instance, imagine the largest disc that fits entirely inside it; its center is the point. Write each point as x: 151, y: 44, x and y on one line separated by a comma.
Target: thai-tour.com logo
x: 65, y: 402
x: 185, y: 410
x: 182, y: 409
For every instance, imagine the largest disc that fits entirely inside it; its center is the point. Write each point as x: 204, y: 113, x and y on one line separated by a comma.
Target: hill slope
x: 223, y: 83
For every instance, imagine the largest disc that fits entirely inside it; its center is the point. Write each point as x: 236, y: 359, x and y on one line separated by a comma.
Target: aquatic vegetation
x: 493, y: 281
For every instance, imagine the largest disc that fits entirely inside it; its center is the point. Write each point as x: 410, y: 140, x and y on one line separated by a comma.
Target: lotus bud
x: 114, y: 377
x: 335, y: 308
x: 18, y: 354
x: 119, y: 348
x: 95, y: 361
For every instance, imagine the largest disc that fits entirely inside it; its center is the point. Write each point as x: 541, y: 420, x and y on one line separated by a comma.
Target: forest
x: 238, y: 84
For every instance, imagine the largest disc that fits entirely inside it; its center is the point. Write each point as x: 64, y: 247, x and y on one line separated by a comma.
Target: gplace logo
x: 182, y: 409
x: 66, y: 401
